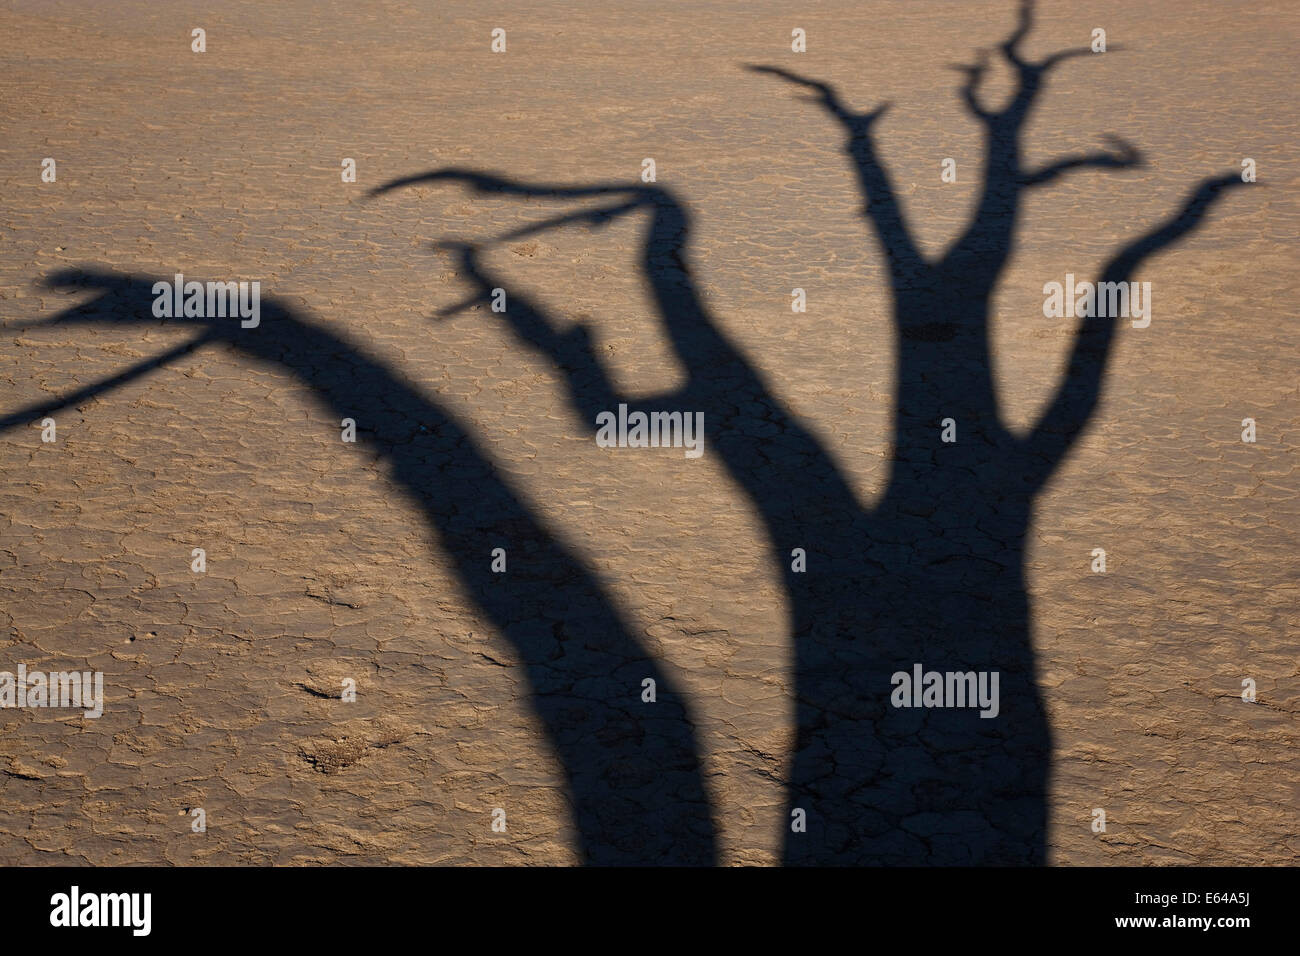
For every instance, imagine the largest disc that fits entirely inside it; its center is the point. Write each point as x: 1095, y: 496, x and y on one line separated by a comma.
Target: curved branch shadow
x: 632, y: 768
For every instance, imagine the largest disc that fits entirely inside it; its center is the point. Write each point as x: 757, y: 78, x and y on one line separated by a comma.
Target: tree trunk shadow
x: 931, y: 579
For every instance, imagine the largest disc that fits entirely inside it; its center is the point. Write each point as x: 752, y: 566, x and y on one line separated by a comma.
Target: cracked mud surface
x: 222, y: 687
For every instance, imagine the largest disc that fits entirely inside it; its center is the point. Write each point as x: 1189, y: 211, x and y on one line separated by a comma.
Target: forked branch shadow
x: 930, y: 578
x: 632, y: 769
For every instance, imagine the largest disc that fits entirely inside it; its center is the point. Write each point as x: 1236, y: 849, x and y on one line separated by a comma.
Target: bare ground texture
x: 371, y: 561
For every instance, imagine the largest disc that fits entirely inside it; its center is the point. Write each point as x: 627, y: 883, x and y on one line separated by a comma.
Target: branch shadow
x: 929, y: 579
x: 632, y: 768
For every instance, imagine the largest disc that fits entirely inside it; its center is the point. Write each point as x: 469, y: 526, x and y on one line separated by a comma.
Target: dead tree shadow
x: 931, y: 576
x: 632, y: 768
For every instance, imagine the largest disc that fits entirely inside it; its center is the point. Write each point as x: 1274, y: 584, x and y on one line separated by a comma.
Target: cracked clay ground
x: 221, y: 688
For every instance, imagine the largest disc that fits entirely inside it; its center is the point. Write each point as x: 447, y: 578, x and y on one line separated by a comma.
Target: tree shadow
x: 632, y: 768
x: 931, y: 576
